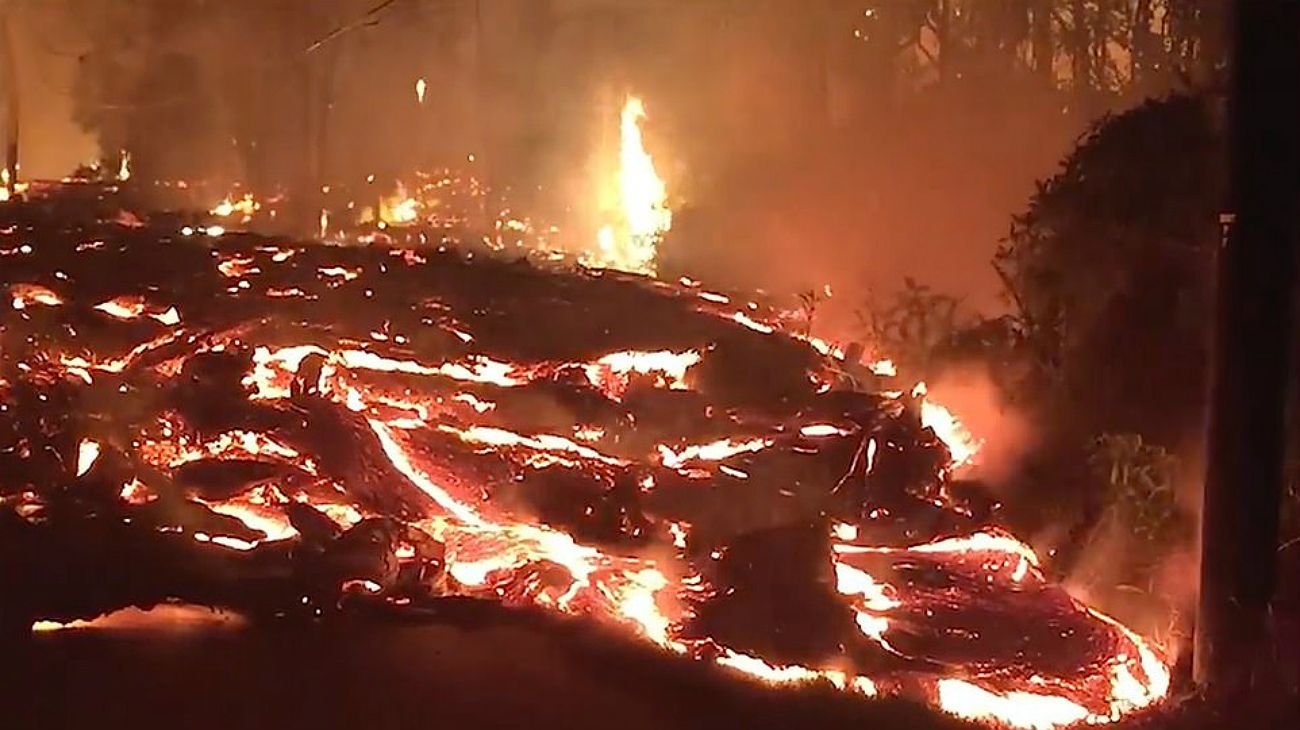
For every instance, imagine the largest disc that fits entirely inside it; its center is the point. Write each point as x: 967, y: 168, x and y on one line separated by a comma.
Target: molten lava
x: 328, y: 425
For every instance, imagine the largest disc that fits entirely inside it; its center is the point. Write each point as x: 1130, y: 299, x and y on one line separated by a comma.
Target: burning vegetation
x: 293, y: 430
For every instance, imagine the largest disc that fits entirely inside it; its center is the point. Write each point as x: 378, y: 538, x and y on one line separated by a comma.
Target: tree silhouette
x: 1109, y: 270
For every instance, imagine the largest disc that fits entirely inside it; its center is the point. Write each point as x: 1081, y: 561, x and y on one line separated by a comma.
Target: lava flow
x: 289, y: 430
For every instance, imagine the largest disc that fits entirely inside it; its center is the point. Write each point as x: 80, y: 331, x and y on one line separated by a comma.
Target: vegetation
x: 1142, y: 501
x: 1109, y: 272
x: 917, y: 328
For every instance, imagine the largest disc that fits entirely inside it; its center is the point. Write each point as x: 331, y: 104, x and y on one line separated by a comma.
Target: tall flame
x: 641, y: 216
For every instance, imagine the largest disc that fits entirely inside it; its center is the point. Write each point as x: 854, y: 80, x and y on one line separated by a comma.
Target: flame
x: 246, y: 206
x: 641, y: 214
x: 962, y: 446
x: 124, y: 166
x: 420, y: 87
x: 399, y: 208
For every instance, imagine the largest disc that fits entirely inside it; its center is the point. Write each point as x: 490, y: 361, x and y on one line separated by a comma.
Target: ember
x: 596, y: 445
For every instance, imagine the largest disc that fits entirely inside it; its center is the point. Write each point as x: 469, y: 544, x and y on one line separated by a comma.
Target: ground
x: 480, y: 667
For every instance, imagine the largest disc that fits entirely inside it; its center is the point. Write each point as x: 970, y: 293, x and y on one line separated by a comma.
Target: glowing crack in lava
x: 412, y: 427
x: 639, y: 205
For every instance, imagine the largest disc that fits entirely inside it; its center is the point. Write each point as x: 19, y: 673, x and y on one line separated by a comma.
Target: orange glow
x: 1017, y: 709
x: 747, y: 321
x: 714, y: 451
x: 884, y: 368
x: 961, y: 444
x: 136, y: 493
x: 177, y: 617
x: 794, y: 674
x: 819, y: 430
x: 610, y: 374
x: 25, y: 295
x: 122, y: 307
x: 245, y: 206
x: 542, y: 442
x: 399, y: 208
x: 87, y: 455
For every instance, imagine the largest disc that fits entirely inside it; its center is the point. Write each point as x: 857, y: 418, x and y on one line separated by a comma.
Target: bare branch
x: 368, y: 19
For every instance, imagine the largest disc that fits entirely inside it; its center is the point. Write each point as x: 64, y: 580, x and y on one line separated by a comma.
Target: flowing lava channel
x: 410, y: 400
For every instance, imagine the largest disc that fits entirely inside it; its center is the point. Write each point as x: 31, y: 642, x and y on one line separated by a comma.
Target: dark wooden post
x: 1254, y: 333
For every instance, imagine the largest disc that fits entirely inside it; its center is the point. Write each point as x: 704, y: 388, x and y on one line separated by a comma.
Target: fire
x: 961, y: 444
x: 245, y: 206
x: 640, y: 211
x: 420, y: 87
x: 124, y: 166
x: 399, y: 208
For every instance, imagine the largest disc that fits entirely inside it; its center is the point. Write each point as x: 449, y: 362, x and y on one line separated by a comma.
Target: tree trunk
x: 11, y: 99
x: 945, y: 48
x: 1041, y: 40
x: 1139, y: 44
x: 1098, y: 42
x: 1250, y: 374
x: 1080, y: 52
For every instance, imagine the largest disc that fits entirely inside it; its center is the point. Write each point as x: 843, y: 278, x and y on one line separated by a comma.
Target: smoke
x: 790, y: 166
x: 1161, y: 608
x: 1005, y: 433
x: 1150, y: 585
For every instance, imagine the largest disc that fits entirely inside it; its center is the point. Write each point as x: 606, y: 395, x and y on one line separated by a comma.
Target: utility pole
x: 1253, y: 338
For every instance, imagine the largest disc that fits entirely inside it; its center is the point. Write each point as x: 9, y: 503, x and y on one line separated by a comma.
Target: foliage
x: 1109, y: 270
x: 916, y: 327
x: 1140, y: 484
x: 809, y: 301
x: 1124, y: 48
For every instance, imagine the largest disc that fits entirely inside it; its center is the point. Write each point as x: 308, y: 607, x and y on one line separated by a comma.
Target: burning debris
x: 286, y: 430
